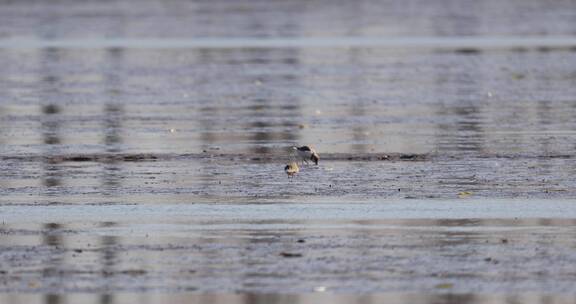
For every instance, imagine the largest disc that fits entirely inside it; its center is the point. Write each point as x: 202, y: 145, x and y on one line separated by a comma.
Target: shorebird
x: 306, y: 153
x: 291, y: 169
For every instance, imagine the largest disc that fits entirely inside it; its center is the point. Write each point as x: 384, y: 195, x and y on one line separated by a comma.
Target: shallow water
x: 142, y: 148
x: 352, y: 248
x: 220, y: 122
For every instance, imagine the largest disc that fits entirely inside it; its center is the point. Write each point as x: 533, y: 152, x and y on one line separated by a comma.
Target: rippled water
x: 361, y: 248
x: 498, y: 123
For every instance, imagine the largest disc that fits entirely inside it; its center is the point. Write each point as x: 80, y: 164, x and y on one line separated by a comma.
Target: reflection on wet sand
x: 51, y: 133
x: 50, y: 130
x: 112, y: 125
x: 50, y: 274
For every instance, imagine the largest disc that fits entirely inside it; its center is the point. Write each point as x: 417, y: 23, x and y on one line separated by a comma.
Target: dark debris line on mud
x: 353, y: 157
x: 107, y: 157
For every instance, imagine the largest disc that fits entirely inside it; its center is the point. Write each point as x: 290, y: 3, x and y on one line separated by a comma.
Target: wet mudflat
x: 466, y: 247
x: 152, y: 167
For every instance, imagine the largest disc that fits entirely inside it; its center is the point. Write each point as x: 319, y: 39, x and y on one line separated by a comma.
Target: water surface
x: 142, y: 148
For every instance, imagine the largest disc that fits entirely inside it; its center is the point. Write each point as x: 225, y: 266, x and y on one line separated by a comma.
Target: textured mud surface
x: 128, y: 170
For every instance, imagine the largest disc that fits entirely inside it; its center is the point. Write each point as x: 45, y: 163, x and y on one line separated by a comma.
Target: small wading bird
x: 306, y: 153
x: 291, y: 169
